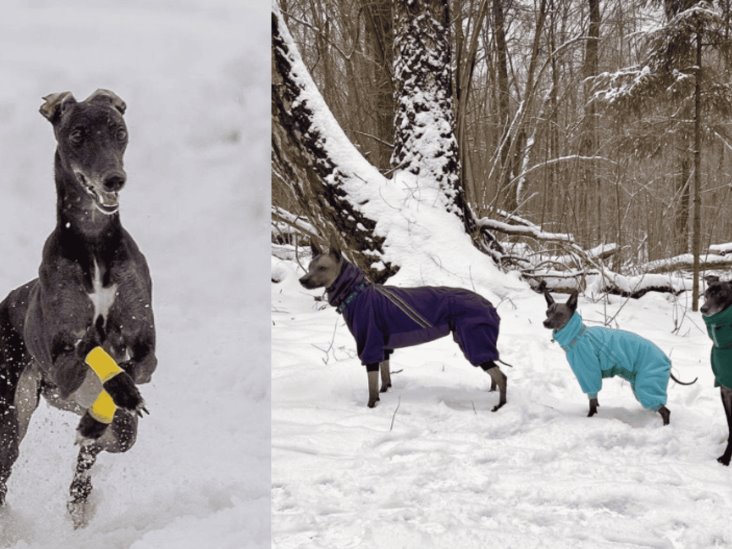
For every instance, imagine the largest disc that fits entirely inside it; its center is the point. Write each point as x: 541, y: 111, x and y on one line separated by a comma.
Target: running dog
x: 93, y: 293
x: 717, y: 315
x: 384, y: 318
x: 598, y: 352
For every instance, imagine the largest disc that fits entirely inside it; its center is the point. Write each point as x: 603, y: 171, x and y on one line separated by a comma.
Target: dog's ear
x: 548, y: 297
x: 711, y: 279
x: 314, y: 248
x: 110, y: 97
x: 54, y: 105
x: 335, y: 251
x: 572, y: 301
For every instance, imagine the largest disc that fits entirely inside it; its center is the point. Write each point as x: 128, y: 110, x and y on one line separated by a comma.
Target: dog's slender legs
x: 726, y: 394
x: 499, y: 379
x: 373, y: 375
x: 81, y: 486
x: 9, y: 443
x: 385, y: 376
x: 665, y: 414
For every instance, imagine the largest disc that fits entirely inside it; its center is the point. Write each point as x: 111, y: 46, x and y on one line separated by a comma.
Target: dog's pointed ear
x: 335, y: 251
x: 314, y: 248
x: 110, y: 97
x: 711, y: 279
x: 548, y: 297
x: 54, y: 105
x: 572, y: 301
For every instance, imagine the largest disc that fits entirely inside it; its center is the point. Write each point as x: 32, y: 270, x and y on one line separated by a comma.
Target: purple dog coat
x: 423, y: 314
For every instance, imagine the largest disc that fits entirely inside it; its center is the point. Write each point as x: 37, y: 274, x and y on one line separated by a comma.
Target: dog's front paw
x: 372, y: 402
x: 724, y: 459
x: 124, y: 393
x: 89, y: 428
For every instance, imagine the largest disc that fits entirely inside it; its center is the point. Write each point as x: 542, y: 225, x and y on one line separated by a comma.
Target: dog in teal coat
x: 596, y: 353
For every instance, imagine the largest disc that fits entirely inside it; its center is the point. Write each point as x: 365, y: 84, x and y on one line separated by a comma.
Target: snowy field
x: 195, y: 76
x: 449, y: 473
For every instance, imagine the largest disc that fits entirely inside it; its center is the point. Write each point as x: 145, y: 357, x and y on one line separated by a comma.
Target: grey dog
x: 93, y: 290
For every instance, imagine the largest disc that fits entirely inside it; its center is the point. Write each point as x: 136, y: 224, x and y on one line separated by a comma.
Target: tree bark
x: 302, y: 131
x: 380, y: 37
x: 588, y: 141
x: 696, y: 236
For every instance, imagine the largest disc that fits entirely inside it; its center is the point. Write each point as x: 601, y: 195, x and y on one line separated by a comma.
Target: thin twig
x: 393, y: 417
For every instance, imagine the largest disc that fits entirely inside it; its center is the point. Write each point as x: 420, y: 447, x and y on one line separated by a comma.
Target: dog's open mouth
x: 105, y: 201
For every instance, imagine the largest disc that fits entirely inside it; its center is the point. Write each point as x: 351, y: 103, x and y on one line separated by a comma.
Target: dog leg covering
x: 385, y: 376
x: 97, y: 418
x: 500, y: 379
x: 115, y: 380
x: 373, y: 388
x: 102, y: 364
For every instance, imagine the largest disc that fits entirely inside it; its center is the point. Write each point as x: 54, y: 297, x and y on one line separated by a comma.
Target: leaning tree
x: 337, y: 188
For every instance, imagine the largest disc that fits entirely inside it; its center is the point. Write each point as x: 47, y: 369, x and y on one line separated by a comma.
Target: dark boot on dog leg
x: 385, y: 376
x: 81, y: 486
x: 665, y: 414
x: 499, y: 379
x: 373, y: 374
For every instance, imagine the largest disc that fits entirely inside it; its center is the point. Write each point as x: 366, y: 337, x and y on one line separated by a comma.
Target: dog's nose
x: 114, y: 181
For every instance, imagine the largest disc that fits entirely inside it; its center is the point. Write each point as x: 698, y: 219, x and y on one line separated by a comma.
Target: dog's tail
x: 684, y: 382
x: 504, y: 363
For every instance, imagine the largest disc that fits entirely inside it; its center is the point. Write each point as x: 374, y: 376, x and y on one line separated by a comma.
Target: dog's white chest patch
x: 101, y: 297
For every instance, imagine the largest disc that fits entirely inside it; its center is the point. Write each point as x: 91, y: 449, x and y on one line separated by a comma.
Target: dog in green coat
x: 717, y: 315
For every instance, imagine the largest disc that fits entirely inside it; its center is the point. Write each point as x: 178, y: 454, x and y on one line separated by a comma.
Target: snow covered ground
x: 195, y: 75
x: 450, y: 473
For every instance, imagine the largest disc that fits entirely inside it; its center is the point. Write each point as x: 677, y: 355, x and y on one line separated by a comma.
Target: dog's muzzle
x: 105, y: 199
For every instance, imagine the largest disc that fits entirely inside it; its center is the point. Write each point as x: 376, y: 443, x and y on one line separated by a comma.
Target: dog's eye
x: 121, y: 135
x: 76, y: 136
x: 321, y: 268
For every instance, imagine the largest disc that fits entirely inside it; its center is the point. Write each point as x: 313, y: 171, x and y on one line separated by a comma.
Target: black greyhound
x: 93, y: 291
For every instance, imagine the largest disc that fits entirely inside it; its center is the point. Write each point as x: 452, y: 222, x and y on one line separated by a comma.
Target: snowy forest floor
x: 194, y: 74
x: 538, y: 473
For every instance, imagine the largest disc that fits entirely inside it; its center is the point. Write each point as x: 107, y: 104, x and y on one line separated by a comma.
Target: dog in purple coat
x: 384, y: 318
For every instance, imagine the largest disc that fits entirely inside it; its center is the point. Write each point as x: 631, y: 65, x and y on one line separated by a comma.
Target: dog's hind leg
x: 372, y: 371
x: 9, y: 443
x: 19, y: 391
x: 726, y: 394
x: 665, y: 414
x: 385, y: 376
x: 499, y: 379
x: 118, y: 437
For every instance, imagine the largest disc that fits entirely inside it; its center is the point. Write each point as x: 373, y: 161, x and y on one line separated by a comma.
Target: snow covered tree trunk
x: 425, y: 144
x: 424, y: 141
x: 312, y: 155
